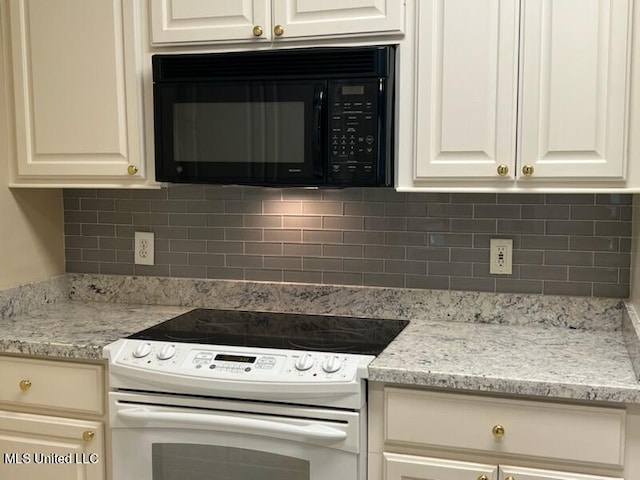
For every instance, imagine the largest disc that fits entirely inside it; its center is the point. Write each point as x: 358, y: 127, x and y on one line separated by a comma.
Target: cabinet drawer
x: 540, y: 429
x: 52, y: 384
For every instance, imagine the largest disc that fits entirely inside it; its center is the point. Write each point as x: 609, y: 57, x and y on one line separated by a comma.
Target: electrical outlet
x: 500, y: 256
x: 143, y: 248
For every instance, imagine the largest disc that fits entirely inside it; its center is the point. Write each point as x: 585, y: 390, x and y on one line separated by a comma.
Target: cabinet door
x: 519, y: 473
x: 408, y: 467
x: 76, y: 88
x: 195, y: 21
x: 310, y: 18
x: 38, y: 446
x: 466, y: 81
x: 574, y: 88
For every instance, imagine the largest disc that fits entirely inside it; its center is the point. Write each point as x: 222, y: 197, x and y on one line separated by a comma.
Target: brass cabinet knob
x: 498, y: 431
x: 88, y: 435
x: 132, y: 169
x: 25, y: 385
x: 510, y: 478
x: 527, y: 170
x: 278, y: 30
x: 257, y: 31
x: 503, y: 170
x: 483, y: 477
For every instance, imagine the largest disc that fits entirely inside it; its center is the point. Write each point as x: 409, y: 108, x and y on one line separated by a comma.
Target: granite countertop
x: 513, y: 359
x: 554, y: 347
x: 77, y: 330
x: 590, y: 365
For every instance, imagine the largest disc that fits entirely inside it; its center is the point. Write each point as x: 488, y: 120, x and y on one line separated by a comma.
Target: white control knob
x: 142, y: 350
x: 304, y: 362
x: 332, y: 364
x: 167, y: 352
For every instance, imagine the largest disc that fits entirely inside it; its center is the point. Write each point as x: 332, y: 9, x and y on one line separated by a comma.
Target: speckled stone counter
x: 26, y: 298
x: 77, y: 330
x: 562, y: 347
x: 631, y: 335
x: 376, y: 302
x: 534, y: 361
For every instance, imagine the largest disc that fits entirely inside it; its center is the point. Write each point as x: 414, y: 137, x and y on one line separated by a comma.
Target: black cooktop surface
x: 277, y: 330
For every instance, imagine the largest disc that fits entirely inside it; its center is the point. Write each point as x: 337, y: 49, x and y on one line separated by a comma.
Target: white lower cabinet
x: 519, y: 473
x: 419, y: 434
x: 52, y: 417
x: 55, y: 448
x: 409, y: 467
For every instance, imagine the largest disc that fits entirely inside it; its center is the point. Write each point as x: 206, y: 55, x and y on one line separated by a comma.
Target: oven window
x: 239, y: 132
x: 183, y: 461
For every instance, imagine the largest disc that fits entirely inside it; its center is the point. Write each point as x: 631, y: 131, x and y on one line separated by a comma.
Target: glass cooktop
x: 290, y: 331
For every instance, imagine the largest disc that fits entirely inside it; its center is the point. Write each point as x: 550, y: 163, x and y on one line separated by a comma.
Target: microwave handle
x: 226, y: 423
x: 318, y: 170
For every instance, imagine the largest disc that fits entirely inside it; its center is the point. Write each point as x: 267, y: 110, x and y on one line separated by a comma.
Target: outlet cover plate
x: 501, y: 256
x: 143, y: 248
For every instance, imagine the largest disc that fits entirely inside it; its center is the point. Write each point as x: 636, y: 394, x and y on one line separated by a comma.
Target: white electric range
x: 222, y: 394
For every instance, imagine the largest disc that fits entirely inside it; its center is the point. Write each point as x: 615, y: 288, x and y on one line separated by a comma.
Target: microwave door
x: 257, y: 133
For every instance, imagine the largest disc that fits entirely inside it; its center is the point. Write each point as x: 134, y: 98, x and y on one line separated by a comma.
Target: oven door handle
x: 236, y: 424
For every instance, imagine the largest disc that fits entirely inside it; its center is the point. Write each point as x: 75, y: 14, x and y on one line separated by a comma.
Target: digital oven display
x: 353, y: 90
x: 235, y: 358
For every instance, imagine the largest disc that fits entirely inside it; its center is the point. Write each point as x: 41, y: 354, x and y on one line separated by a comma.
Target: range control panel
x: 353, y: 125
x: 239, y: 363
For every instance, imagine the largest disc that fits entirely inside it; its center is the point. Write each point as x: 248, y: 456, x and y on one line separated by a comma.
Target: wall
x: 564, y: 244
x: 31, y: 221
x: 634, y: 294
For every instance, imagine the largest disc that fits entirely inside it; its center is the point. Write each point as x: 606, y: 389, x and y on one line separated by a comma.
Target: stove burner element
x: 321, y: 333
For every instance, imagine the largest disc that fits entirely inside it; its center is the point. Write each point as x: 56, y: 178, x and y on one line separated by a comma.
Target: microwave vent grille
x: 327, y: 63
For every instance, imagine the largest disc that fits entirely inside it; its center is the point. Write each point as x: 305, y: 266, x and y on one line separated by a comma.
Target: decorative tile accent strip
x: 400, y: 303
x: 23, y: 298
x: 563, y: 244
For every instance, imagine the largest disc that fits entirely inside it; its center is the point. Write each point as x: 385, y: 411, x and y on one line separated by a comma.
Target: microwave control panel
x: 353, y: 138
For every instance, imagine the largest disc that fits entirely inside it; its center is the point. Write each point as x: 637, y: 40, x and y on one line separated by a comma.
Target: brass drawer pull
x: 25, y: 385
x: 498, y: 431
x: 257, y: 31
x: 88, y: 435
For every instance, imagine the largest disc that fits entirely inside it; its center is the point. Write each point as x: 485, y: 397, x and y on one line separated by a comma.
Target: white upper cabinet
x: 467, y: 71
x: 193, y: 21
x: 310, y: 18
x: 76, y: 92
x: 206, y: 21
x: 574, y: 87
x: 513, y: 93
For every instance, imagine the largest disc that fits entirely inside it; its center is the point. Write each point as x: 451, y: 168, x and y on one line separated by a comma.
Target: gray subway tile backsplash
x: 556, y: 212
x: 575, y: 244
x: 509, y: 285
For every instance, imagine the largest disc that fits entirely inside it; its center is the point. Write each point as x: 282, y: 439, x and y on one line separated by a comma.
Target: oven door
x: 178, y: 438
x: 244, y: 132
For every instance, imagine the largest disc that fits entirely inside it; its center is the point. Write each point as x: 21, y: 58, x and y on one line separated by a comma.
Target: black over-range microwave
x: 307, y: 117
